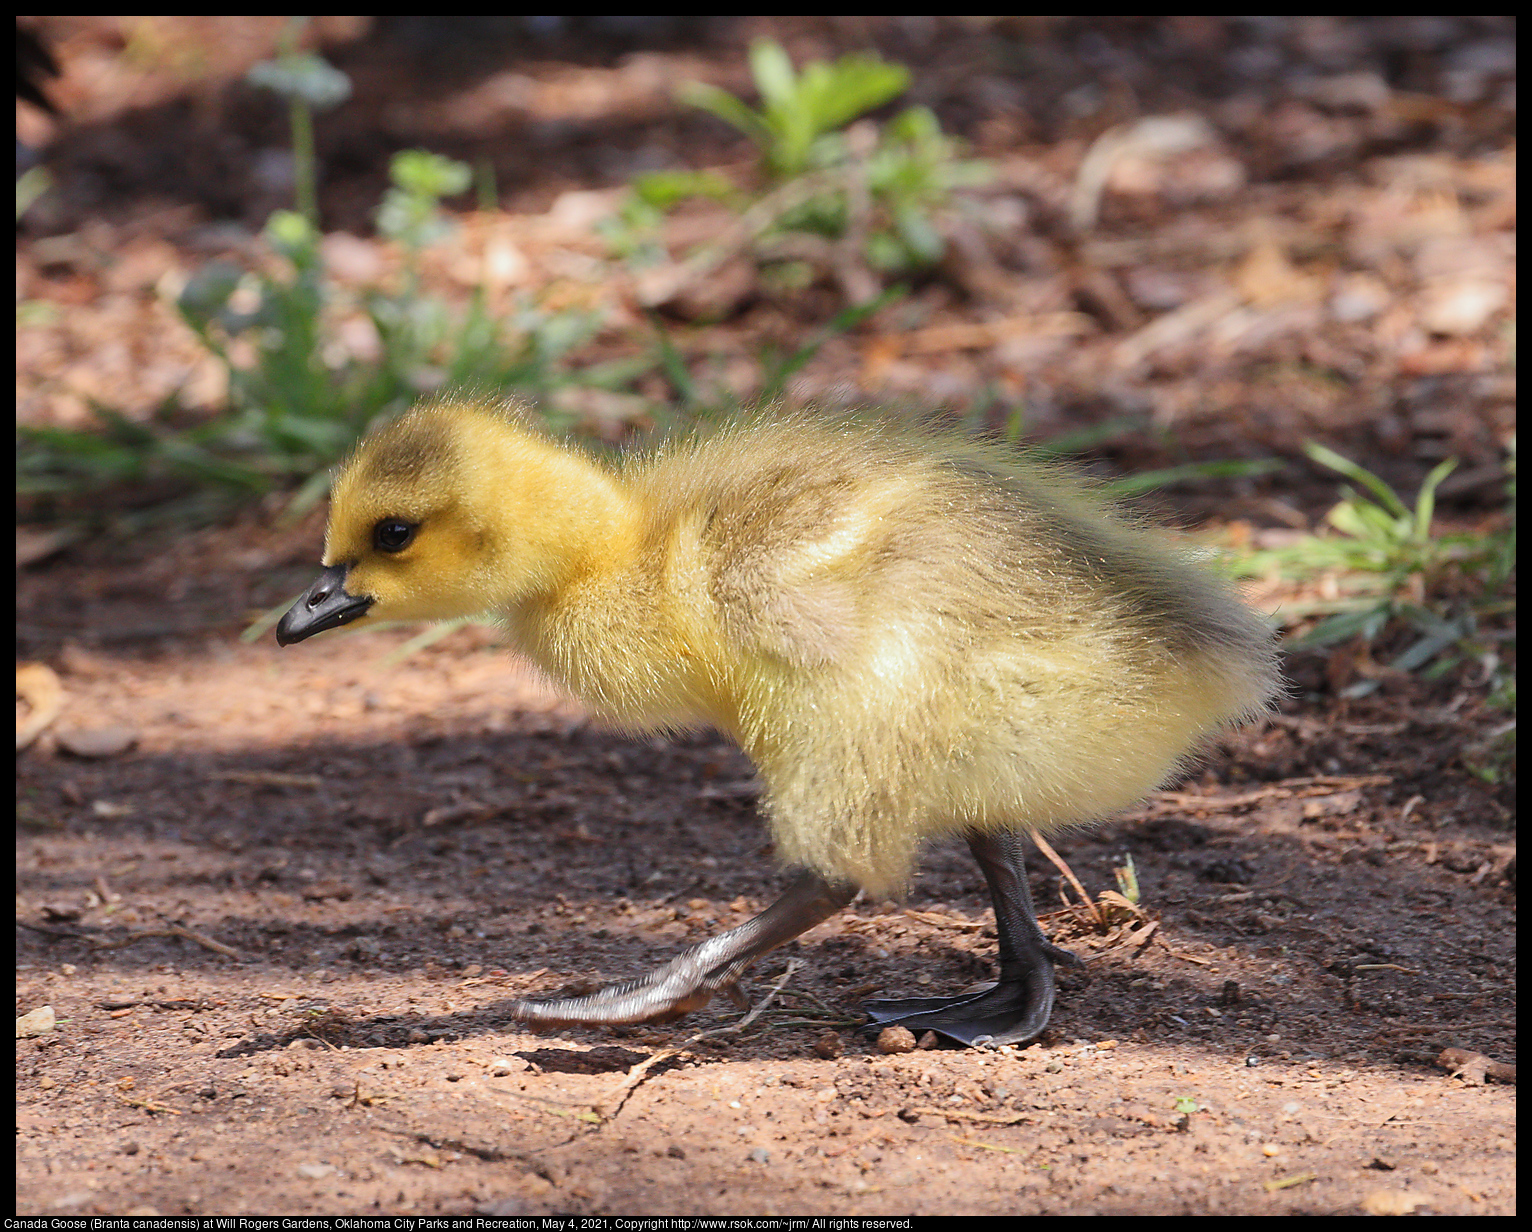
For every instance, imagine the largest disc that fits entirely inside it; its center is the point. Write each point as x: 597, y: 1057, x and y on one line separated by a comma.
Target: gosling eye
x: 393, y: 534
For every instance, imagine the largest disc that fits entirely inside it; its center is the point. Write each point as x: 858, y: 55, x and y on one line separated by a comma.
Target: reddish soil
x: 277, y: 901
x: 382, y: 856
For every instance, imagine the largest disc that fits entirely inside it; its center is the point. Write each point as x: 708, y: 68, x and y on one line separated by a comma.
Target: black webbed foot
x: 1011, y: 1011
x: 1015, y: 1008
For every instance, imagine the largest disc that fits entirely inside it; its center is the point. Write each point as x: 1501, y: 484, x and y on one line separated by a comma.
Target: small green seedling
x: 800, y: 110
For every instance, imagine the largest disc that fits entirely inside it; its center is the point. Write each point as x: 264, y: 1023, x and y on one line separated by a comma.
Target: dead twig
x: 1201, y: 962
x: 986, y: 1146
x: 641, y: 1071
x: 149, y: 1105
x: 944, y: 921
x: 1058, y: 861
x: 1474, y: 1067
x: 175, y: 930
x: 266, y: 778
x: 1301, y: 1178
x: 490, y: 1154
x: 1287, y: 789
x: 801, y: 995
x: 982, y: 1118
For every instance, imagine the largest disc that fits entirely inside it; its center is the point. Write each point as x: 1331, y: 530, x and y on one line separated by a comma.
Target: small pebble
x: 37, y: 1022
x: 828, y: 1045
x: 97, y: 742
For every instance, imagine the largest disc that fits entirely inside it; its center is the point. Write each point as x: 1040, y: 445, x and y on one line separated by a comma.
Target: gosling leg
x: 690, y: 980
x: 1015, y: 1008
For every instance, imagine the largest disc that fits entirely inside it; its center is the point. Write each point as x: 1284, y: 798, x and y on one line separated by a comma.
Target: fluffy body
x: 910, y: 634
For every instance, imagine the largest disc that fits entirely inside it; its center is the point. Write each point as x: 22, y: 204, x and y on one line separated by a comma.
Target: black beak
x: 324, y: 605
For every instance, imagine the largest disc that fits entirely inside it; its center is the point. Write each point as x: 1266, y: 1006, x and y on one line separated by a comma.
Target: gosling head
x: 455, y: 509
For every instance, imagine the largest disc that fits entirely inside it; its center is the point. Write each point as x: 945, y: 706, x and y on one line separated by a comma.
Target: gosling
x: 909, y: 633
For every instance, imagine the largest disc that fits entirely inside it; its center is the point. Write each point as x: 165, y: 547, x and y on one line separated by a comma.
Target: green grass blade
x: 1348, y: 468
x: 1425, y: 503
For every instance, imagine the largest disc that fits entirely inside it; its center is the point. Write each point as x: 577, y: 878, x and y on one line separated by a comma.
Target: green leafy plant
x: 285, y: 398
x: 633, y: 232
x: 309, y: 84
x: 1129, y: 486
x: 835, y: 195
x: 1385, y: 563
x: 795, y: 126
x: 296, y: 397
x: 913, y: 172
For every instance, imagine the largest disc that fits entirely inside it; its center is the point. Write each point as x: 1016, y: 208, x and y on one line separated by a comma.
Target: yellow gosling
x: 909, y: 633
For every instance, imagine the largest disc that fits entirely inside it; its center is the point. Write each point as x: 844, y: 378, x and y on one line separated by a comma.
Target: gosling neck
x: 568, y: 520
x: 597, y: 529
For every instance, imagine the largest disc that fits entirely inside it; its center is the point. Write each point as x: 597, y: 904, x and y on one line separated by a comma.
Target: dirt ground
x: 369, y: 860
x: 276, y: 902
